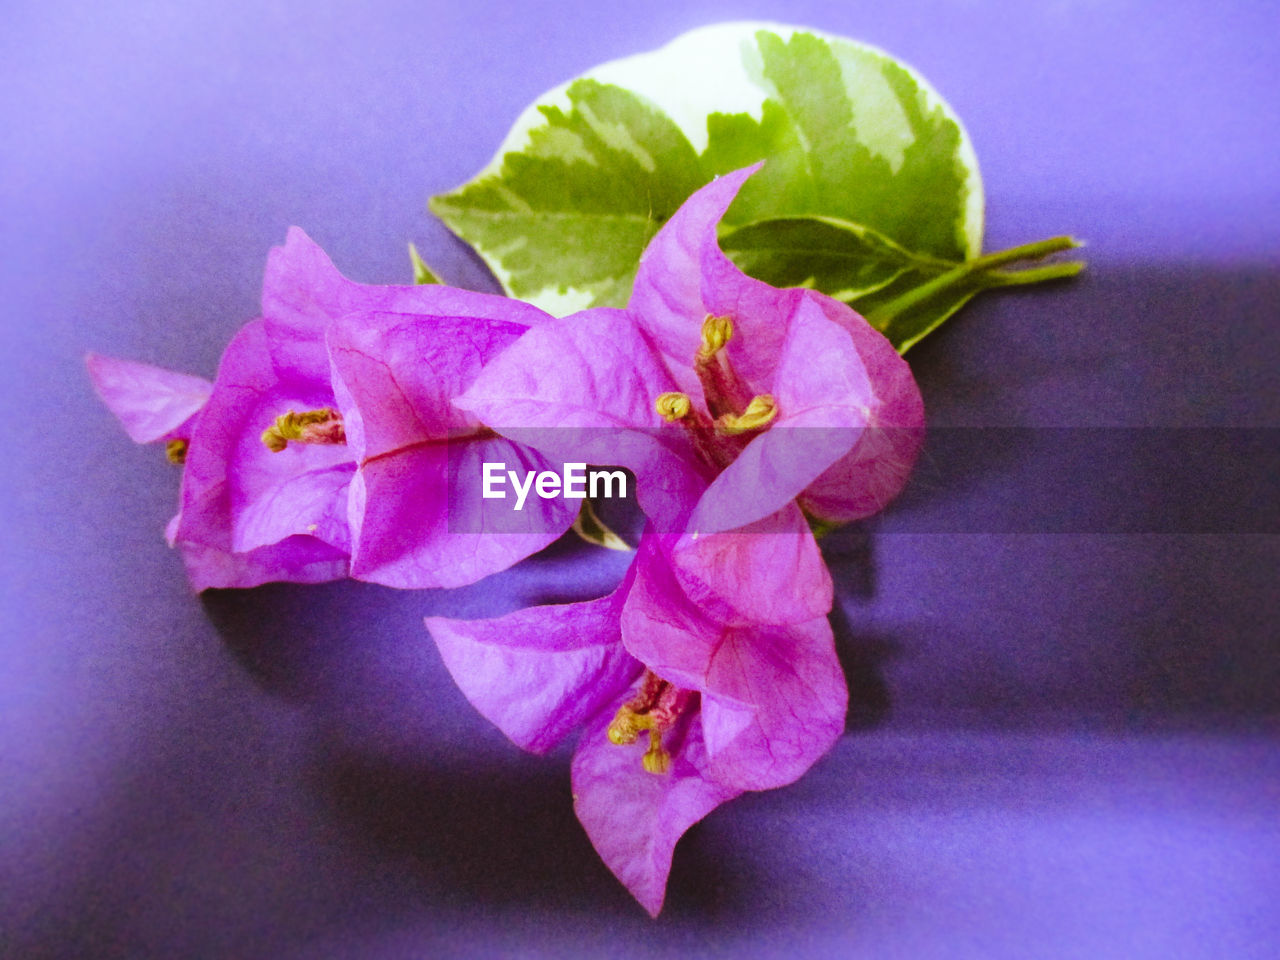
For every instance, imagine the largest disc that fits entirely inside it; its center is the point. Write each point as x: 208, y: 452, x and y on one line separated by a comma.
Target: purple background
x: 1062, y: 745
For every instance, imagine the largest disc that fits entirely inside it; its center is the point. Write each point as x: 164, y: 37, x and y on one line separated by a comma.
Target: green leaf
x: 849, y: 133
x: 569, y: 213
x: 870, y: 189
x: 843, y: 259
x: 421, y: 272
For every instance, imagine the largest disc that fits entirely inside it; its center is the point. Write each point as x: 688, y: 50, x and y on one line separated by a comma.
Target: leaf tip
x: 422, y: 274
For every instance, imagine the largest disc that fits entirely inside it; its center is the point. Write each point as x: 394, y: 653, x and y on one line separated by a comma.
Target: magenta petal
x: 595, y: 368
x: 539, y: 673
x: 876, y: 469
x: 824, y: 399
x: 779, y: 704
x: 769, y: 571
x: 684, y: 276
x: 661, y: 627
x: 400, y: 373
x: 295, y: 560
x: 667, y: 294
x: 312, y: 502
x: 229, y: 472
x: 303, y: 292
x: 634, y: 818
x: 150, y: 402
x: 867, y: 478
x: 417, y: 504
x: 773, y: 697
x: 583, y: 389
x: 422, y: 522
x: 269, y: 496
x: 679, y: 637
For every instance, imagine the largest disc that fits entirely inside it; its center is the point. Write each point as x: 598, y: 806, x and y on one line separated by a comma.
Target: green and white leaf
x: 870, y: 185
x: 850, y: 133
x: 562, y: 219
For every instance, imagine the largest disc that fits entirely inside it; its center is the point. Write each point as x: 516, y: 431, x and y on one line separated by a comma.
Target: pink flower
x: 154, y: 405
x: 415, y: 498
x: 306, y: 466
x: 680, y: 711
x: 735, y: 403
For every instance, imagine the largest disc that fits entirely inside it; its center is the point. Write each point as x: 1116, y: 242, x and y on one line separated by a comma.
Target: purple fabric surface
x: 1062, y: 744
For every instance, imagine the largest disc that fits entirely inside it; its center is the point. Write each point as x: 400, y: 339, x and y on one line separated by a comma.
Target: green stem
x: 1017, y: 278
x: 983, y: 265
x: 1028, y: 251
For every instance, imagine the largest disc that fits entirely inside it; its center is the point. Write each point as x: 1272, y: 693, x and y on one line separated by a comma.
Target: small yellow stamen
x: 176, y: 451
x: 656, y: 760
x: 673, y: 406
x: 760, y: 411
x: 626, y: 726
x: 716, y: 332
x: 288, y: 426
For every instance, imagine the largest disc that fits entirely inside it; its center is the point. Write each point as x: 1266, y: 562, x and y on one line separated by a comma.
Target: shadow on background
x: 498, y: 831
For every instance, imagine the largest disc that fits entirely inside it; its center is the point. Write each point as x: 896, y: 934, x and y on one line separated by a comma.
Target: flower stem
x: 1028, y: 251
x: 1016, y: 278
x: 980, y: 271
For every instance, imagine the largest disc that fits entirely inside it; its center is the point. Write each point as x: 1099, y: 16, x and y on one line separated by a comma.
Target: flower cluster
x: 322, y: 449
x: 345, y: 428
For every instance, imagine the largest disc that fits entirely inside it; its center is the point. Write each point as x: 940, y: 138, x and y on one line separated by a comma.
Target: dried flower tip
x: 673, y: 406
x: 176, y: 451
x: 760, y: 411
x: 716, y: 332
x: 656, y: 760
x: 311, y: 426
